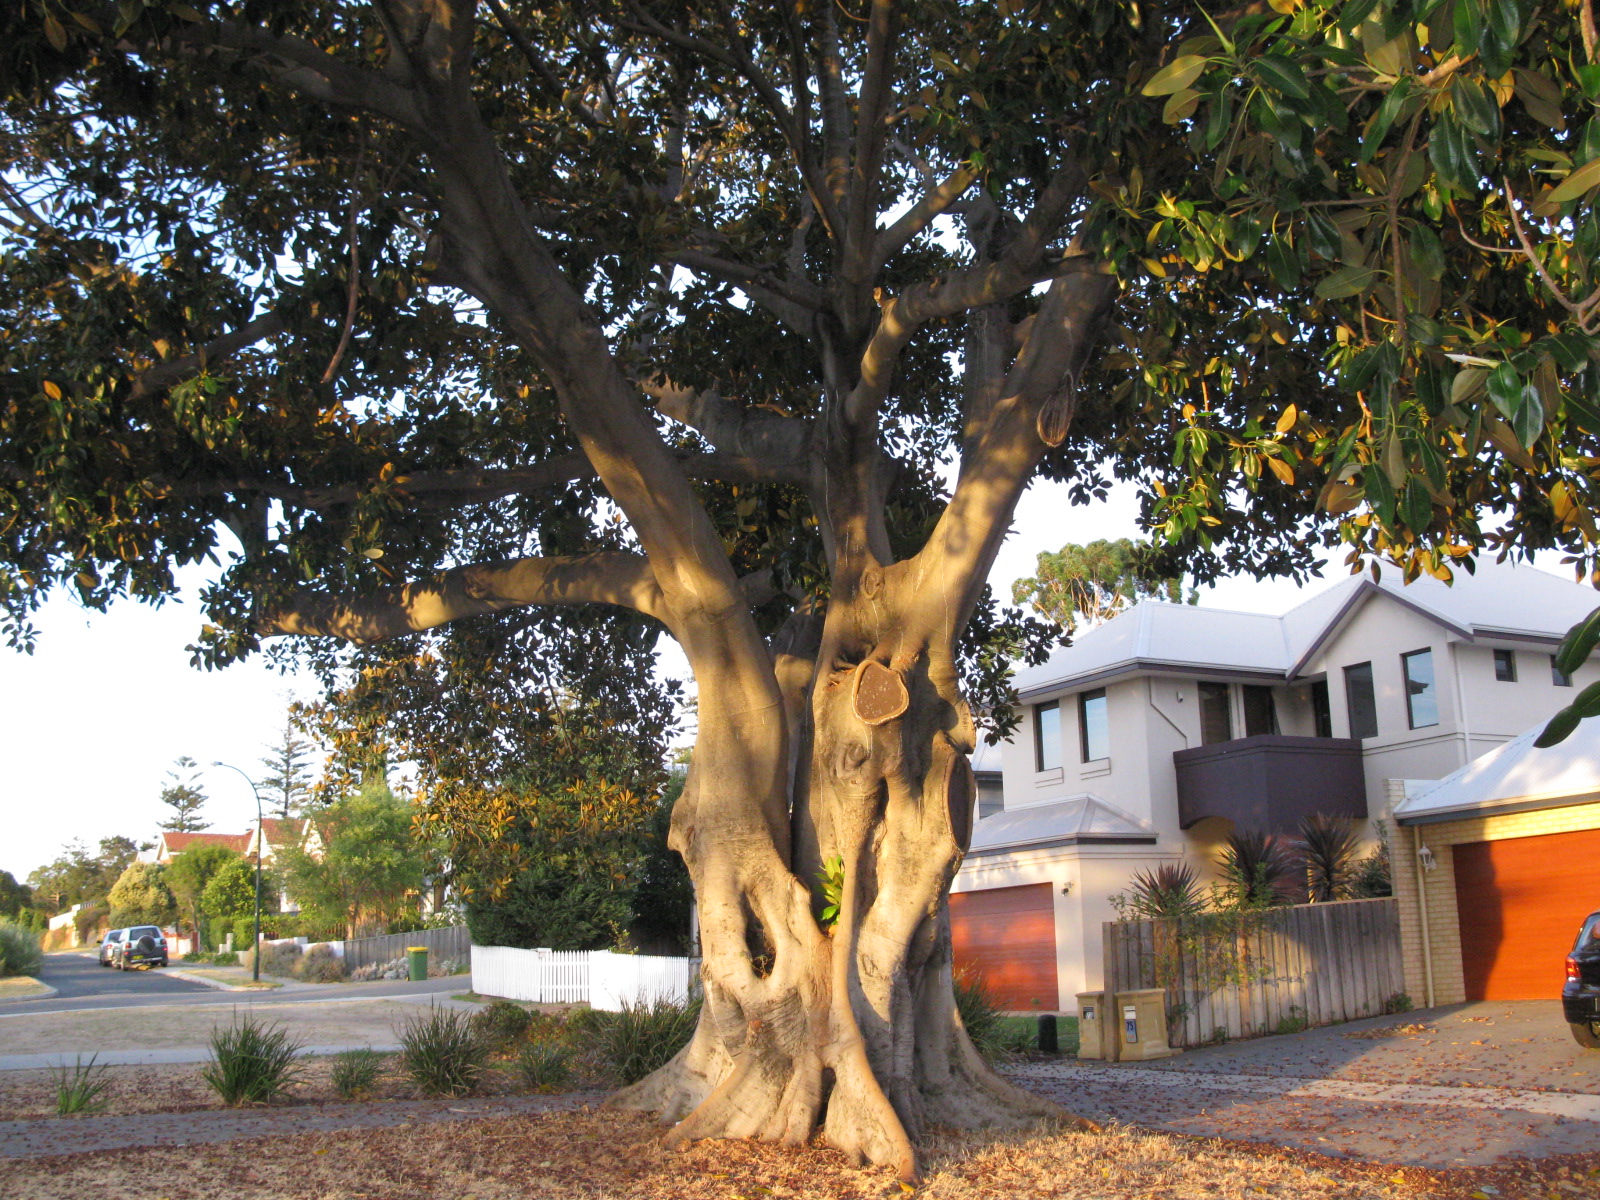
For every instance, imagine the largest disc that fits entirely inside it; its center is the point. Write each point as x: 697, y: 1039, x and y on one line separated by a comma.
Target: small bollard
x: 1047, y: 1034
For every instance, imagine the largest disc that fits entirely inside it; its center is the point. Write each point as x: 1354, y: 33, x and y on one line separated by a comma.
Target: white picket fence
x: 598, y: 978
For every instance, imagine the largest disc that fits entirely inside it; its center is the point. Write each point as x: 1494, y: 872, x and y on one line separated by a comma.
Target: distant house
x: 169, y: 843
x: 1503, y: 853
x: 1158, y: 733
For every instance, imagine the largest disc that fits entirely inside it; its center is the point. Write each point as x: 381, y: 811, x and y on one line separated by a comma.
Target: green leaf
x: 1528, y: 423
x: 1380, y: 492
x: 1468, y: 27
x: 1505, y: 389
x: 1589, y: 80
x: 1501, y: 32
x: 1383, y: 120
x: 1346, y: 281
x: 1475, y: 107
x: 1576, y: 184
x: 1283, y: 263
x: 1558, y: 730
x: 1323, y: 234
x: 1176, y: 75
x: 1416, y: 506
x: 1283, y: 74
x: 1579, y: 643
x: 1587, y: 702
x: 1180, y: 106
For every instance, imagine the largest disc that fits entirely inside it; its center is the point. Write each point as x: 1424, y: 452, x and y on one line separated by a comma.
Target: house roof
x: 1516, y: 775
x: 1080, y: 818
x: 278, y: 831
x: 1500, y: 602
x: 177, y: 843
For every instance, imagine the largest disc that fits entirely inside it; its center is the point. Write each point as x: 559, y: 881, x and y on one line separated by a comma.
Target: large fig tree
x: 423, y: 311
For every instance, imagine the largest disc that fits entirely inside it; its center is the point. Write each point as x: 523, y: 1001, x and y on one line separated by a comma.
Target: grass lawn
x: 20, y: 987
x: 618, y: 1156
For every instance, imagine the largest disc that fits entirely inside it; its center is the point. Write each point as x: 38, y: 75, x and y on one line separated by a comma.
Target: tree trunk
x: 855, y: 1027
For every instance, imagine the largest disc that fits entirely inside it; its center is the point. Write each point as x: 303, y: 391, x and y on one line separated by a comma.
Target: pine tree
x: 288, y: 778
x: 184, y: 797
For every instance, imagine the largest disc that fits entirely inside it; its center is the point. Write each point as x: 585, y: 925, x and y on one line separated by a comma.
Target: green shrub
x: 544, y: 1065
x: 1397, y: 1003
x: 980, y: 1015
x: 19, y: 950
x: 1295, y: 1022
x: 355, y: 1071
x: 320, y: 965
x: 645, y: 1036
x: 82, y: 1089
x: 443, y: 1052
x: 501, y: 1023
x: 251, y: 1062
x: 226, y: 958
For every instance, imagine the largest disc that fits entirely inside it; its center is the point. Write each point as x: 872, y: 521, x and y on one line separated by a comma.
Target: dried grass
x: 618, y: 1156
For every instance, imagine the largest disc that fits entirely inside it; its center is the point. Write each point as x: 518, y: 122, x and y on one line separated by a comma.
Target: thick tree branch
x: 306, y: 68
x: 938, y: 199
x: 159, y: 378
x: 778, y: 443
x: 872, y: 107
x: 797, y: 292
x: 611, y: 578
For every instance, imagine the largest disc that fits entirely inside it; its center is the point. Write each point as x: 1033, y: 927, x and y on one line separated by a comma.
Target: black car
x: 1580, y: 998
x: 139, y: 945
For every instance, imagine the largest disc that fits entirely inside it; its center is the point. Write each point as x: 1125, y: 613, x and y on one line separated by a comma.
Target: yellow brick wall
x: 1443, y: 938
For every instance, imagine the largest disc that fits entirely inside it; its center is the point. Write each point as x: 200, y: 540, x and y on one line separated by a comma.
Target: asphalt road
x: 85, y: 986
x: 76, y: 976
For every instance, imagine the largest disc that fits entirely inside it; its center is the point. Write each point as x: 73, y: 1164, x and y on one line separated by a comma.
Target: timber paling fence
x: 453, y: 941
x: 1278, y: 970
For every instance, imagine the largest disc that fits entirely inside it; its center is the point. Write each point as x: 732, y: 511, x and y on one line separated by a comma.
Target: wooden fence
x: 452, y: 941
x: 1273, y: 971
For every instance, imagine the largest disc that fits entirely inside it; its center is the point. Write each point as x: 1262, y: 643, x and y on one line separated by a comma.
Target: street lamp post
x: 255, y: 959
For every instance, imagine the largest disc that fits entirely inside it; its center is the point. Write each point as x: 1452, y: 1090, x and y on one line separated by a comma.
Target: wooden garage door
x: 1521, y: 901
x: 1008, y: 935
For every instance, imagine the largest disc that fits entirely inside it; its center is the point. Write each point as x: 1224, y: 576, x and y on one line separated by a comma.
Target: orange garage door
x: 1521, y: 901
x: 1008, y: 935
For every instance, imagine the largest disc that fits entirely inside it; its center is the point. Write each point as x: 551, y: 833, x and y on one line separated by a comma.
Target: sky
x: 92, y: 721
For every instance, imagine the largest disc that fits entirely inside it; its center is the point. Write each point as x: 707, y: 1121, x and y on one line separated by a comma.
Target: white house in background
x: 1158, y: 733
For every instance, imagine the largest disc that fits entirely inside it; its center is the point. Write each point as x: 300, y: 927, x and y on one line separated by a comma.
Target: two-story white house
x: 1158, y: 733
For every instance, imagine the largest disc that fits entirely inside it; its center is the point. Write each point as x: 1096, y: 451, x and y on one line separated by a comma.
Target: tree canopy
x: 1096, y: 581
x: 140, y: 896
x: 444, y: 309
x: 185, y: 797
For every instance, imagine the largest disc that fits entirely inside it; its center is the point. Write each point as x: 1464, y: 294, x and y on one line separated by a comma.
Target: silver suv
x: 138, y: 945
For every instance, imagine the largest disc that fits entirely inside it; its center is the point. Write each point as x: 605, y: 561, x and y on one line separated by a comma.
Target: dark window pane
x: 1505, y: 666
x: 1422, y: 701
x: 1216, y: 717
x: 1047, y: 736
x: 1557, y: 676
x: 1359, y: 701
x: 1321, y: 711
x: 1260, y: 714
x: 1093, y: 726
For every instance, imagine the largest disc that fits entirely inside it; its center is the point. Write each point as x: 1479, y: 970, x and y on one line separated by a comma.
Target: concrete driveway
x: 1460, y: 1086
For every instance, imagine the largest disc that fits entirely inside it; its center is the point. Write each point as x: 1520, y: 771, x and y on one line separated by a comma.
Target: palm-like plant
x: 1171, y: 890
x: 1327, y: 849
x: 1254, y: 869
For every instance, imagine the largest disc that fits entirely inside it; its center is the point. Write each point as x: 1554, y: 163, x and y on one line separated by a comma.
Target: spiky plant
x: 1171, y: 890
x: 1327, y: 848
x: 1255, y: 872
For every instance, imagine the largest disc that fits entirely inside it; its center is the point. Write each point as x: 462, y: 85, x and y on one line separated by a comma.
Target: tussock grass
x: 252, y: 1062
x: 443, y: 1052
x: 355, y: 1072
x: 643, y: 1036
x: 81, y: 1091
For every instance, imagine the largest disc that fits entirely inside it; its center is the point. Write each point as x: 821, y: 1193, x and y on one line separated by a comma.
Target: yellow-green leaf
x: 1287, y: 420
x: 1179, y: 106
x: 55, y: 32
x: 1176, y: 75
x: 1576, y: 184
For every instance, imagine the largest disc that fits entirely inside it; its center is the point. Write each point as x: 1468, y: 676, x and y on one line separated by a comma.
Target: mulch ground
x: 590, y: 1155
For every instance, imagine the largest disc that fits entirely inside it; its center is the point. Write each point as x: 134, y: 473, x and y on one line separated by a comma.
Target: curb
x: 44, y: 995
x: 217, y: 983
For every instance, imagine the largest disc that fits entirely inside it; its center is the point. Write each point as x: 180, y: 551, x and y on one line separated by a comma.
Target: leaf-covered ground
x: 589, y: 1155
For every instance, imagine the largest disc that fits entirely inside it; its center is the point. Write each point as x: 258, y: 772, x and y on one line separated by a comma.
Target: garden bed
x: 587, y: 1155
